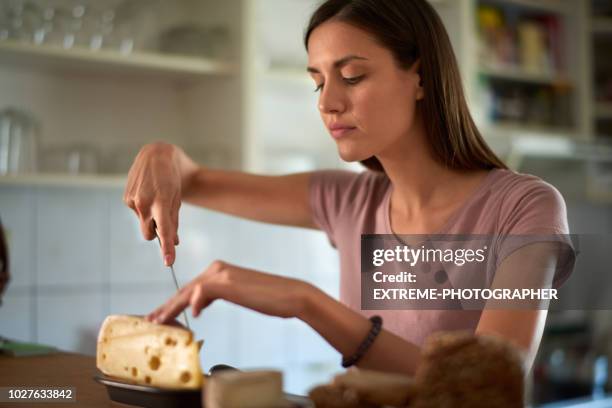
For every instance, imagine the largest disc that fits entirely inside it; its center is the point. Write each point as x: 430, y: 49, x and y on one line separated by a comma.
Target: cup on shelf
x: 195, y: 40
x: 119, y: 159
x: 132, y: 23
x: 19, y: 21
x: 71, y: 159
x: 18, y: 142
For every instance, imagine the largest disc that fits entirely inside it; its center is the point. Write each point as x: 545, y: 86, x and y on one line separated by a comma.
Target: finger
x: 143, y: 211
x: 172, y: 308
x: 166, y: 232
x: 175, y: 219
x: 198, y: 301
x: 147, y: 227
x: 129, y: 202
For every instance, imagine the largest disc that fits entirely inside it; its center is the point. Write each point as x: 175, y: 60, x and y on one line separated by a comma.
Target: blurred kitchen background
x: 84, y: 84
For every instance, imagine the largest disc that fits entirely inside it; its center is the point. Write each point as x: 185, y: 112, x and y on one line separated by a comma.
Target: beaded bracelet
x: 365, y: 345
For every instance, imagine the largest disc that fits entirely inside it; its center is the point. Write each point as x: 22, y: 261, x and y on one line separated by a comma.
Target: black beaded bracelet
x: 365, y: 345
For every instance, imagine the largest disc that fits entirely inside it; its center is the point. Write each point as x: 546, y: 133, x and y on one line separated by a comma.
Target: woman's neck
x: 425, y: 192
x: 419, y: 181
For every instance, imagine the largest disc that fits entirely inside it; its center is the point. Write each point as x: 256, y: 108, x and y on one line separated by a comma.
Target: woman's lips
x: 340, y: 131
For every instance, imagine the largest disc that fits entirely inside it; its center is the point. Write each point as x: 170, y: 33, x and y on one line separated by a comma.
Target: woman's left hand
x: 269, y: 294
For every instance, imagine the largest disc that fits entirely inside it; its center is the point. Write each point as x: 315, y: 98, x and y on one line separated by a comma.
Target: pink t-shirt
x: 347, y: 204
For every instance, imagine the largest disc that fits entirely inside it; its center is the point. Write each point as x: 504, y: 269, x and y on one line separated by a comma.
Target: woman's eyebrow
x: 339, y: 63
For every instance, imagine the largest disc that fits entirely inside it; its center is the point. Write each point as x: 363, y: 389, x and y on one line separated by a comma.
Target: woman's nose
x: 331, y: 99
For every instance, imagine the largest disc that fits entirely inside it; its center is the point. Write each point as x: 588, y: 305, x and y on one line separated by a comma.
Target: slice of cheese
x: 133, y: 349
x: 244, y: 389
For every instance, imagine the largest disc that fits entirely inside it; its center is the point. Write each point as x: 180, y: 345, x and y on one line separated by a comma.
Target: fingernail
x: 168, y: 260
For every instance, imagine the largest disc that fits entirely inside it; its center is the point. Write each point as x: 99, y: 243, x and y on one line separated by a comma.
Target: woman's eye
x: 349, y: 81
x: 353, y: 80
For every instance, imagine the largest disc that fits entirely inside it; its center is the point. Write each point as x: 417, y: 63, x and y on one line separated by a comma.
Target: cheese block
x: 133, y: 349
x: 244, y: 389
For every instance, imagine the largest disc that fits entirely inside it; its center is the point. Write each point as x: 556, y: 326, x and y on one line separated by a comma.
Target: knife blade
x: 176, y: 285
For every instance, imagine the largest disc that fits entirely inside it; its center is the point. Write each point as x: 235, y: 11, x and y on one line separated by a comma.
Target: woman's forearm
x: 272, y: 199
x: 345, y: 329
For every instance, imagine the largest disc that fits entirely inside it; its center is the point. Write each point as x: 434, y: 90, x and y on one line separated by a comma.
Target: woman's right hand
x: 155, y: 181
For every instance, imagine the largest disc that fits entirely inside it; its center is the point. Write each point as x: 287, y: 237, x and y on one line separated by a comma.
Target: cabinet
x: 600, y: 18
x: 522, y: 66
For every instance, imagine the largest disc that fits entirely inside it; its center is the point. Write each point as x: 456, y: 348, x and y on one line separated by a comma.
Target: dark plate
x: 153, y: 397
x: 147, y: 396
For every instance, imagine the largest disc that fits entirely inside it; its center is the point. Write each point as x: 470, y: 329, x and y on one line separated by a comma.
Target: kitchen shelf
x: 603, y: 110
x: 103, y: 61
x: 519, y: 129
x: 520, y: 75
x: 64, y: 180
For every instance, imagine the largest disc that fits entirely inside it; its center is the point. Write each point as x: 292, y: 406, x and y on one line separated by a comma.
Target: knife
x: 176, y: 285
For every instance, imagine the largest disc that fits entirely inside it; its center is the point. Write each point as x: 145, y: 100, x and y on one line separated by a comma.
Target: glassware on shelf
x: 118, y: 25
x: 100, y: 26
x: 73, y: 26
x: 133, y: 20
x: 45, y: 24
x: 16, y: 21
x: 195, y: 40
x: 70, y: 159
x: 4, y: 27
x: 18, y: 142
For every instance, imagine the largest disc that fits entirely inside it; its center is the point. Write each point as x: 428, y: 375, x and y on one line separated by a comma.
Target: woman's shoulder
x: 347, y: 193
x: 528, y: 203
x: 350, y: 184
x: 519, y: 189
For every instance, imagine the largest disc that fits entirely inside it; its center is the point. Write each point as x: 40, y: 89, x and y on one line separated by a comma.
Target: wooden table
x: 56, y: 370
x: 66, y: 370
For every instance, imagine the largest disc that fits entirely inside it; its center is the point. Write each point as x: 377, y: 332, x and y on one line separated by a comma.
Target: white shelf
x: 602, y: 25
x: 520, y: 75
x: 64, y: 180
x: 510, y: 129
x: 603, y: 110
x: 50, y: 58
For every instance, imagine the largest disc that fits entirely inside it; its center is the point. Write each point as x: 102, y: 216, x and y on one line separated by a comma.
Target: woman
x: 391, y: 97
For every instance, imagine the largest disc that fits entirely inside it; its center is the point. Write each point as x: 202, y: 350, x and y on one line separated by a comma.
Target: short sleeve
x: 327, y: 196
x: 535, y: 211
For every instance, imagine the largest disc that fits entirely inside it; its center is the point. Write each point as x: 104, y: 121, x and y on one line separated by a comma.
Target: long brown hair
x: 412, y: 30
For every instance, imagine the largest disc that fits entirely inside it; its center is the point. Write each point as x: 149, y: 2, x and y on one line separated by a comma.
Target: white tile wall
x: 72, y: 236
x: 17, y: 210
x: 132, y: 259
x: 263, y: 340
x: 16, y: 315
x: 220, y: 328
x: 204, y: 237
x: 138, y: 298
x: 70, y: 318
